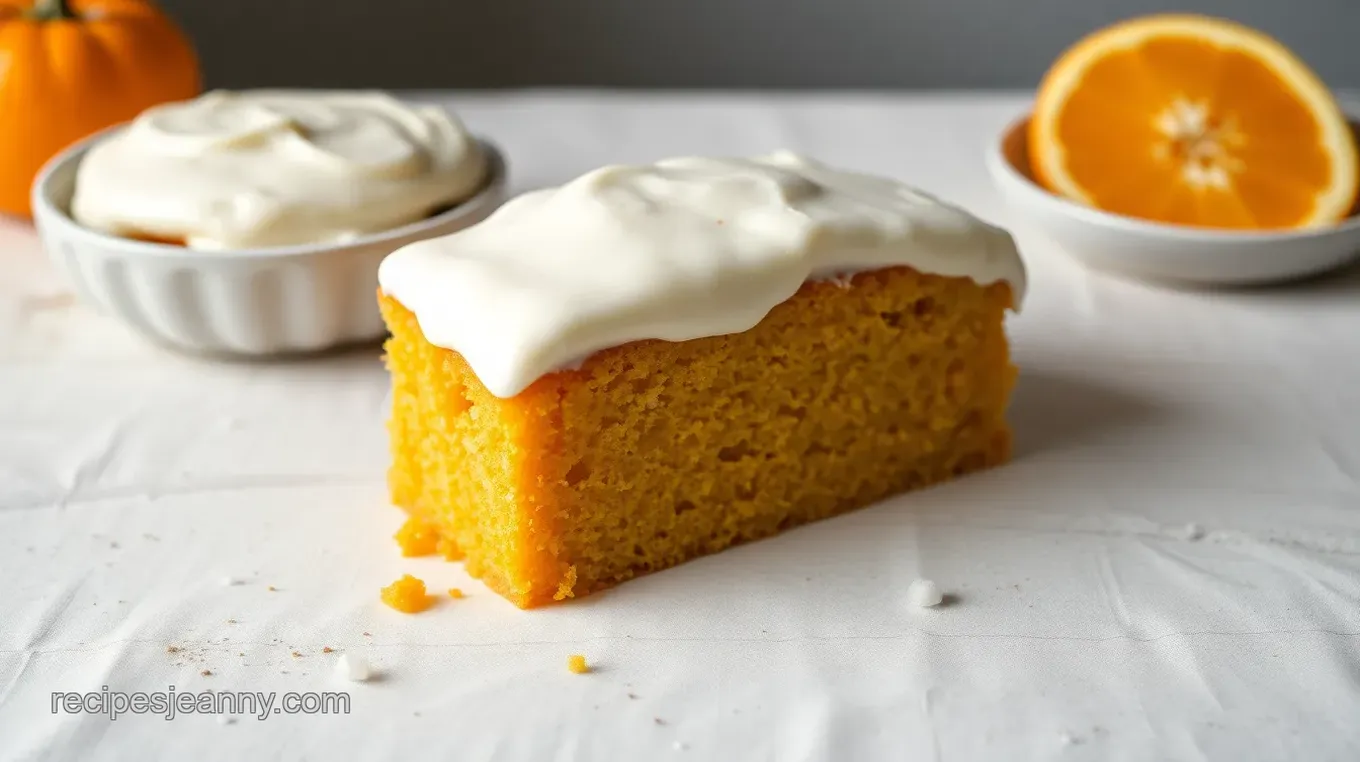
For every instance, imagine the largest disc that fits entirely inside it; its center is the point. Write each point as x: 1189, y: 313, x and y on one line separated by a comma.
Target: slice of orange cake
x: 653, y: 363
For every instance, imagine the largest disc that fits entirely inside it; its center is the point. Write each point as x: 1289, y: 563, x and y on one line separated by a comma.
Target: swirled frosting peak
x: 232, y: 170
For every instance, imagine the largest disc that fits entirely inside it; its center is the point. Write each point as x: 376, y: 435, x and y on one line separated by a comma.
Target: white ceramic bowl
x: 1154, y: 251
x: 252, y: 302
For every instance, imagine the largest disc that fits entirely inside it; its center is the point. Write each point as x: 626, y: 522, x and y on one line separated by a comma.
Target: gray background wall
x: 698, y: 43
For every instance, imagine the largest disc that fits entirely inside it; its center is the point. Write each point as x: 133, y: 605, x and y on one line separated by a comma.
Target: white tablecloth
x: 1169, y: 569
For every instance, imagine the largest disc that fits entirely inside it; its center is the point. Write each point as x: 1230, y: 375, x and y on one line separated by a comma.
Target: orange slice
x: 1194, y: 121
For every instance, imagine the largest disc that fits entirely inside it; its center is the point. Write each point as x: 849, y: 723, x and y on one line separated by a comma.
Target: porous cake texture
x: 653, y: 453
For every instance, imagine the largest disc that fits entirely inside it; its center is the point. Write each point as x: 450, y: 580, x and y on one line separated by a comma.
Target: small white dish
x: 250, y: 302
x: 1159, y: 252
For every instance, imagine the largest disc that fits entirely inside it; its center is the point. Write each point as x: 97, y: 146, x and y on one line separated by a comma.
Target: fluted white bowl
x: 245, y: 302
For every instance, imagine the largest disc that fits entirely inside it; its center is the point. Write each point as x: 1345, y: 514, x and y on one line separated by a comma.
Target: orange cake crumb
x: 448, y: 549
x: 407, y: 595
x: 655, y: 452
x: 577, y: 663
x: 417, y: 538
x: 455, y: 592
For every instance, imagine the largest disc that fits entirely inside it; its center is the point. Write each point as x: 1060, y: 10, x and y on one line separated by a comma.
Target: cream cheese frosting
x: 678, y: 250
x: 234, y: 170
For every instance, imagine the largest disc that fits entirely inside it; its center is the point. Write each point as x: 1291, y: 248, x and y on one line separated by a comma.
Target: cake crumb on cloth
x: 353, y: 667
x: 924, y: 593
x: 407, y: 595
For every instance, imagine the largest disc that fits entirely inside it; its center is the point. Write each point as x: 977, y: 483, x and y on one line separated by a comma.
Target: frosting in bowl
x: 235, y: 170
x: 678, y: 250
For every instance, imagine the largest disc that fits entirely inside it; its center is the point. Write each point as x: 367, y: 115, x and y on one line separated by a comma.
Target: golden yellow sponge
x: 416, y: 538
x: 657, y: 452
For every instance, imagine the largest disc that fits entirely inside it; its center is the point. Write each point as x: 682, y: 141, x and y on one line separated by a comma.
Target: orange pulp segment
x: 1196, y: 121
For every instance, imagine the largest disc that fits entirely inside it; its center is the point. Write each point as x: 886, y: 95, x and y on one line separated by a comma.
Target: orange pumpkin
x: 69, y: 68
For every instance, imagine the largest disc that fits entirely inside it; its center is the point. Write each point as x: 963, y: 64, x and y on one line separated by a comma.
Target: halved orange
x: 1195, y: 121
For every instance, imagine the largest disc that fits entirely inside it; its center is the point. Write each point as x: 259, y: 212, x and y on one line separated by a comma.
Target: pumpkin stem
x: 52, y: 10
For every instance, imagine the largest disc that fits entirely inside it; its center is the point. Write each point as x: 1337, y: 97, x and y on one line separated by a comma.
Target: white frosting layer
x: 276, y: 168
x: 679, y: 250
